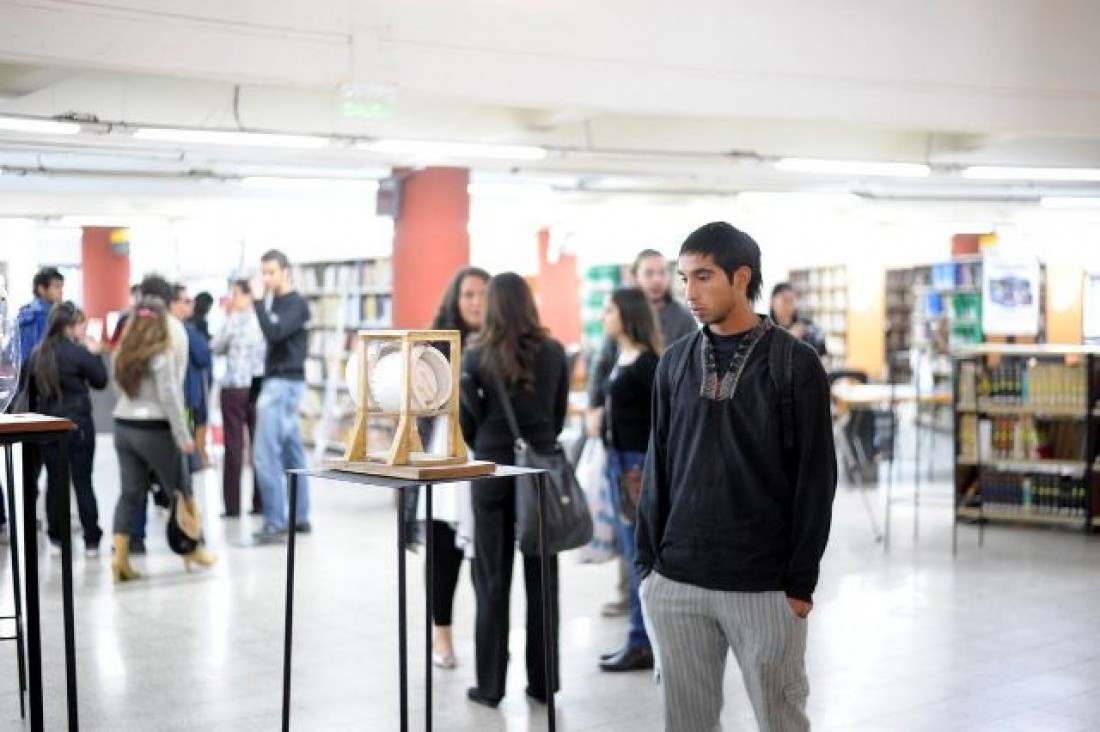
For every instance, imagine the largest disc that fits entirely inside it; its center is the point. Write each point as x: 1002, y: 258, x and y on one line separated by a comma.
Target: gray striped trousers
x: 693, y: 629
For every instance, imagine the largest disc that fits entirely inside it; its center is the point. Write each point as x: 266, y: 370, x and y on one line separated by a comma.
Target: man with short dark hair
x: 650, y: 271
x: 196, y: 376
x: 737, y: 497
x: 33, y: 319
x: 283, y: 314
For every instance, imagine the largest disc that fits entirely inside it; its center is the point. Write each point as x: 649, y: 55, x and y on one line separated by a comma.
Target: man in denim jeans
x: 283, y: 315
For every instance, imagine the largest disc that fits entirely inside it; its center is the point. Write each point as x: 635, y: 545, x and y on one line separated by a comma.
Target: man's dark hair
x: 243, y: 285
x: 731, y: 249
x: 274, y: 255
x: 642, y: 256
x: 46, y: 277
x: 178, y: 291
x: 158, y: 287
x: 781, y: 289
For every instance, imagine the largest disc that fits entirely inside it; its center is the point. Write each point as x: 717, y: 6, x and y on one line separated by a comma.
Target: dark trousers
x: 446, y: 568
x: 238, y: 414
x: 81, y: 460
x: 145, y: 453
x: 494, y: 555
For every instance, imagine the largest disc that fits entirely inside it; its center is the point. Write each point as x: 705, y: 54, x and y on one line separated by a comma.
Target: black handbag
x: 568, y: 520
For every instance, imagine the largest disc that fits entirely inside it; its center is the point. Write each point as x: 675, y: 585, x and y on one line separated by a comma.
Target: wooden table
x: 32, y: 431
x: 403, y: 486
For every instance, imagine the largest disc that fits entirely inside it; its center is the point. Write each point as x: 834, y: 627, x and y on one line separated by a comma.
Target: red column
x: 105, y: 262
x: 559, y: 292
x: 430, y: 242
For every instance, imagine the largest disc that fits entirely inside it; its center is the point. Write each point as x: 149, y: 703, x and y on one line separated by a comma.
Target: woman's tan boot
x: 200, y: 557
x: 120, y: 565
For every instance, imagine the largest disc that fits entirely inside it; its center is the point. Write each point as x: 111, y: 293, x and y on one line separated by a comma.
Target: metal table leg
x: 547, y: 610
x: 402, y: 620
x: 292, y: 482
x: 17, y: 584
x: 67, y: 582
x: 430, y: 594
x: 34, y: 623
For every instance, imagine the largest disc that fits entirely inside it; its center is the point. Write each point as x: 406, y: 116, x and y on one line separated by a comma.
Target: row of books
x: 1018, y: 383
x: 354, y: 311
x: 1020, y: 438
x: 368, y: 274
x: 1035, y: 495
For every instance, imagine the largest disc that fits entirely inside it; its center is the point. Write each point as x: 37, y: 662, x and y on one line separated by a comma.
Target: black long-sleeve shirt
x: 629, y: 404
x: 284, y: 328
x: 724, y: 506
x: 78, y: 369
x: 540, y: 412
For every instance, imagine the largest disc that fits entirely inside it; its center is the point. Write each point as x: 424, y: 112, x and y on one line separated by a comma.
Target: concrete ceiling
x: 677, y: 97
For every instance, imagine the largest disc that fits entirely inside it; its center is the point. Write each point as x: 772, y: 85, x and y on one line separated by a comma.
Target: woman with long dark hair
x: 151, y: 435
x: 460, y: 310
x: 514, y: 347
x: 629, y: 319
x: 57, y: 380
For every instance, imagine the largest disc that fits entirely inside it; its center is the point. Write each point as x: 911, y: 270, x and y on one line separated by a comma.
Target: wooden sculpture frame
x: 406, y: 457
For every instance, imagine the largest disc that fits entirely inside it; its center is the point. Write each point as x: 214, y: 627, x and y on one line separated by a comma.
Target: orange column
x: 430, y: 241
x: 559, y: 292
x: 105, y: 263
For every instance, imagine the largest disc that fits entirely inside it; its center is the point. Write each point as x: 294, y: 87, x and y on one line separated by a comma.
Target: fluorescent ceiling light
x: 437, y: 149
x: 38, y: 126
x: 795, y: 198
x: 853, y: 167
x: 276, y: 183
x: 1070, y: 202
x: 992, y: 172
x: 221, y: 137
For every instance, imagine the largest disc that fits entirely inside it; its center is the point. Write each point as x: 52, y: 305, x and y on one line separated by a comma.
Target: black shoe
x: 474, y: 694
x: 256, y: 512
x: 269, y: 535
x: 137, y: 546
x: 534, y: 695
x: 303, y: 528
x: 611, y: 654
x: 228, y: 515
x: 631, y: 659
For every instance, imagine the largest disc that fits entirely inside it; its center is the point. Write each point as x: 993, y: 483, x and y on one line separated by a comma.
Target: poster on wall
x: 1092, y: 310
x: 1010, y: 295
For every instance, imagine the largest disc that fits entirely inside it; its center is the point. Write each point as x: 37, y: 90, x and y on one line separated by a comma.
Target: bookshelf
x: 1025, y: 435
x: 823, y: 298
x: 345, y: 296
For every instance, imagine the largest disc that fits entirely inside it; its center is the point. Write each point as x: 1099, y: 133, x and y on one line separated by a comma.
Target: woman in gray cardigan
x: 150, y: 433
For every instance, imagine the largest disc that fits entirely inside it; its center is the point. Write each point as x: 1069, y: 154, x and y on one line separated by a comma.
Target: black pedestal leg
x: 34, y: 620
x: 430, y: 594
x: 17, y: 584
x: 292, y: 483
x: 65, y: 495
x: 547, y: 609
x: 402, y: 620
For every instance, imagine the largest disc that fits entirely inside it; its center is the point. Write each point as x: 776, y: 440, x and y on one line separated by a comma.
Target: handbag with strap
x: 568, y: 521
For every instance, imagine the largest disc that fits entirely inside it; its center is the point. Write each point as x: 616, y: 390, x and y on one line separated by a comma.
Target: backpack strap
x: 684, y: 359
x: 781, y: 367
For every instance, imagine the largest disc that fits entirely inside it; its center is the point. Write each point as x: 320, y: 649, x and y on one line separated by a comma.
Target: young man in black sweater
x: 283, y: 314
x: 737, y: 497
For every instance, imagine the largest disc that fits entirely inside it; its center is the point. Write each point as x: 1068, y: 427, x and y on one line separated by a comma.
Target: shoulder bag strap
x: 506, y: 404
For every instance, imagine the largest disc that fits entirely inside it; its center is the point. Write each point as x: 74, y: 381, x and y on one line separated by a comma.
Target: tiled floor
x: 1000, y: 638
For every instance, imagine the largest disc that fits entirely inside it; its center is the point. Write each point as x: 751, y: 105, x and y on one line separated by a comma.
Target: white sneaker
x: 55, y: 549
x: 91, y: 552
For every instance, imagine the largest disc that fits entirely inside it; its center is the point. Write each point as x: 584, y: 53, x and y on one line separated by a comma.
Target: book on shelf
x: 1033, y: 495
